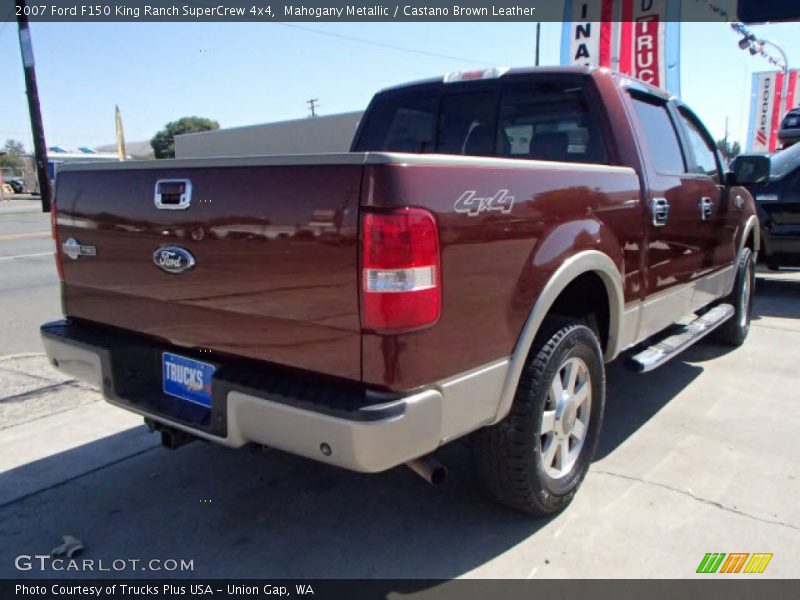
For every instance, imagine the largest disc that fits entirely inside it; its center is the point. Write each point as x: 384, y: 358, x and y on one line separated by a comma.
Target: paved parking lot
x: 698, y: 456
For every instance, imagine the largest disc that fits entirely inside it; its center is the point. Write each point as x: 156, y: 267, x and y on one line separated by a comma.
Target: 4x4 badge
x: 472, y: 205
x: 74, y: 249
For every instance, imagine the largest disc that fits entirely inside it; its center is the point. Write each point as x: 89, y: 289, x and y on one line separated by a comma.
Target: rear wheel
x: 535, y: 459
x: 734, y: 331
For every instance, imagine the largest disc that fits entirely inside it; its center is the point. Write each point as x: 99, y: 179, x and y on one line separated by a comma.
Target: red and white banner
x: 642, y: 41
x: 793, y: 93
x: 587, y: 36
x: 766, y: 110
x: 640, y: 38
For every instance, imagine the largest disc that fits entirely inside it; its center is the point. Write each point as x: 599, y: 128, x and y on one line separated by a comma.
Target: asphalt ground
x: 698, y: 456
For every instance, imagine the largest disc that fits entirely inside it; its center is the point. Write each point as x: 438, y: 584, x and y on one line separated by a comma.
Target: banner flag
x: 121, y: 152
x: 765, y: 108
x: 640, y: 38
x: 586, y: 35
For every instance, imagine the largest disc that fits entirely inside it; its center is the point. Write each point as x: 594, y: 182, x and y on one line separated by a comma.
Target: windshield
x: 785, y: 162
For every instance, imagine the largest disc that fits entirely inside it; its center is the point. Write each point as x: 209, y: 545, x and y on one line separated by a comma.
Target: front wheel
x: 734, y: 331
x: 535, y: 459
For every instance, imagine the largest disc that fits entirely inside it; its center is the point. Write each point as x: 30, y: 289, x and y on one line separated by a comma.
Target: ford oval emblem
x: 173, y: 259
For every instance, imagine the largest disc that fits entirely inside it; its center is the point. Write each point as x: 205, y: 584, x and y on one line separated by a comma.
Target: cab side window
x: 705, y: 157
x: 660, y: 135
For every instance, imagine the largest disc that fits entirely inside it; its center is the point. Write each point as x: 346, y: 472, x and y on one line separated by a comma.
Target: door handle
x: 706, y: 208
x: 660, y: 209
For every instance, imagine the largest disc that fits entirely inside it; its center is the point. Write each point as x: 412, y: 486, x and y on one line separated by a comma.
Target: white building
x: 332, y: 133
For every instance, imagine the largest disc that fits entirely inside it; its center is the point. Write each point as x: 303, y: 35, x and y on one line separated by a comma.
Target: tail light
x: 54, y: 231
x: 400, y: 278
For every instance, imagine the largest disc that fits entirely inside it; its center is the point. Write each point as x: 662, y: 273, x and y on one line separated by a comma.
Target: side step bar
x: 656, y: 355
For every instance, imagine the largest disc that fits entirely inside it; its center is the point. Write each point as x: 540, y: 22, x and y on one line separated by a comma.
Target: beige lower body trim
x: 360, y: 446
x: 661, y: 311
x: 470, y: 399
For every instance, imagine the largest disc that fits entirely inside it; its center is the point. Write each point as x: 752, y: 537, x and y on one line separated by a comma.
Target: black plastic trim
x: 131, y: 366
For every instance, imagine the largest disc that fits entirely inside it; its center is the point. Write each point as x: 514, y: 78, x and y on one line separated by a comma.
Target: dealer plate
x: 187, y: 379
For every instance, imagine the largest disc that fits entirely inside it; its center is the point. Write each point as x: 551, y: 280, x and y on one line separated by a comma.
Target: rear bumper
x: 335, y: 422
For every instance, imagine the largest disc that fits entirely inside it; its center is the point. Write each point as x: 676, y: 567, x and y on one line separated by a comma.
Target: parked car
x: 789, y: 132
x: 17, y: 184
x: 778, y: 204
x: 502, y: 235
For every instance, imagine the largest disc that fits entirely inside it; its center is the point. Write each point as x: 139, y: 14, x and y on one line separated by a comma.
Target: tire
x: 734, y: 331
x: 520, y: 468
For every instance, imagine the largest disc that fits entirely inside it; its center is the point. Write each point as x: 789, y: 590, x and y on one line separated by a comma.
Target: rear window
x: 402, y: 124
x: 543, y: 119
x: 549, y: 121
x: 466, y: 124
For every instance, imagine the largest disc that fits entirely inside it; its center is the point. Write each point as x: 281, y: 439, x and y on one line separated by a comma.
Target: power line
x: 369, y: 42
x: 383, y: 45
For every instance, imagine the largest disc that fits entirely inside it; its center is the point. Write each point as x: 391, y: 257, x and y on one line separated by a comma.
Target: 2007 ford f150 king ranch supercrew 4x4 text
x: 491, y: 241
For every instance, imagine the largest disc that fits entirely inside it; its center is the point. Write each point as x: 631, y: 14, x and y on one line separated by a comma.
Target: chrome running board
x: 670, y: 346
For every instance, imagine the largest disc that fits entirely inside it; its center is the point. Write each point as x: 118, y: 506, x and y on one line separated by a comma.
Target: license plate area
x: 187, y: 379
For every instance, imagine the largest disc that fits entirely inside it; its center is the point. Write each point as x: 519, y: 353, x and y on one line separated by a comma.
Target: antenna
x: 312, y: 106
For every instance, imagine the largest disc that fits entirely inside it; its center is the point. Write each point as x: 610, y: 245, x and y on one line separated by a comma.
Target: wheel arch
x: 751, y: 236
x: 586, y: 263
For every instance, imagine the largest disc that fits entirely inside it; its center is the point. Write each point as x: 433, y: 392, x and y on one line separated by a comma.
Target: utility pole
x: 726, y: 131
x: 39, y: 145
x: 312, y: 106
x: 538, y: 36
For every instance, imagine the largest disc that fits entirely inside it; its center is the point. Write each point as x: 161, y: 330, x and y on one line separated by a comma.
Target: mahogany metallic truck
x: 492, y: 240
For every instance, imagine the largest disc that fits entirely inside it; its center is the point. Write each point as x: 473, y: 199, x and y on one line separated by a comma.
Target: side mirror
x: 749, y: 169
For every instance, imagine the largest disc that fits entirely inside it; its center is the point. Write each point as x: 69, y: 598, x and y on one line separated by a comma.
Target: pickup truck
x: 490, y: 242
x: 778, y: 208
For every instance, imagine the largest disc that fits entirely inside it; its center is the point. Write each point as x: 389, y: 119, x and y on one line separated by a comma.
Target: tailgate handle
x: 173, y: 194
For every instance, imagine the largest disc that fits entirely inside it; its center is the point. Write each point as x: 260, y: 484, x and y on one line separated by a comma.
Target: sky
x: 247, y: 73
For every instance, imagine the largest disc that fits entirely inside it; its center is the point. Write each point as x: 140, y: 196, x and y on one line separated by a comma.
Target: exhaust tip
x: 439, y: 475
x: 429, y: 469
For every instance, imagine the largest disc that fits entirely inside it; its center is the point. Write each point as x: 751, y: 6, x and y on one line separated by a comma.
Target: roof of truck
x: 515, y: 71
x: 564, y: 70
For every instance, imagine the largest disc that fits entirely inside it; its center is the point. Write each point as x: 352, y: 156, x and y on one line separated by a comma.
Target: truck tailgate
x: 275, y: 273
